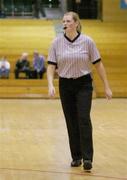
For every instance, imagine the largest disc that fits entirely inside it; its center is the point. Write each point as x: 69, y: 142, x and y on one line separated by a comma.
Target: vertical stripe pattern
x: 73, y: 58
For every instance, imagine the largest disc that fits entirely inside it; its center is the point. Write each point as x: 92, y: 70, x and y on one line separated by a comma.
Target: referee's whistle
x: 65, y: 27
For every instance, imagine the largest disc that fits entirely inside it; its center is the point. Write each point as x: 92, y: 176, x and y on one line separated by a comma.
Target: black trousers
x: 76, y: 98
x: 18, y: 71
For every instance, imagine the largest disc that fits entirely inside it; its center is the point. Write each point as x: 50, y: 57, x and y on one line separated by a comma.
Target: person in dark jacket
x: 22, y: 65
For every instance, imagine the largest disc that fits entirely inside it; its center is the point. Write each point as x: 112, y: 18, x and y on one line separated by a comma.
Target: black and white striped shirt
x: 73, y: 58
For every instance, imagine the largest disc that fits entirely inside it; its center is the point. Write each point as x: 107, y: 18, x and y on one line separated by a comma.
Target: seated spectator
x: 4, y: 68
x: 22, y: 65
x: 38, y: 65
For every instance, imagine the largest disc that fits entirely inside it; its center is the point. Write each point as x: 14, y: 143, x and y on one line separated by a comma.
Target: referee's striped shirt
x: 73, y: 57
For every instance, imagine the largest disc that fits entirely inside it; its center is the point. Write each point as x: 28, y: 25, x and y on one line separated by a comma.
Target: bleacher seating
x: 111, y: 40
x: 25, y: 88
x: 19, y: 36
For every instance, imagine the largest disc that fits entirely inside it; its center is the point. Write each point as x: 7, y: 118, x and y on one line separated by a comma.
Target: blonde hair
x: 76, y: 18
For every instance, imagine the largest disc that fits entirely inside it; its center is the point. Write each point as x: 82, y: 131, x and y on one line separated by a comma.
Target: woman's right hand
x: 50, y: 77
x: 51, y: 91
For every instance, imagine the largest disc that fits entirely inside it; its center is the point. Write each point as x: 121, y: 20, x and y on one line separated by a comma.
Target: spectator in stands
x: 38, y: 10
x: 4, y: 68
x: 38, y: 65
x: 22, y: 65
x: 2, y: 12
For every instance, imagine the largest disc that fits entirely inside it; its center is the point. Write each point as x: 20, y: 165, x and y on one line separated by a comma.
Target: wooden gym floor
x: 34, y: 142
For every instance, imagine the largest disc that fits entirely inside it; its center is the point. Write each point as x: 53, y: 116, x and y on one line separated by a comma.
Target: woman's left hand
x: 108, y: 93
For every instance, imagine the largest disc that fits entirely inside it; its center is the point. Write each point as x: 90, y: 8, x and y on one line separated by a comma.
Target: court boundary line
x: 90, y: 174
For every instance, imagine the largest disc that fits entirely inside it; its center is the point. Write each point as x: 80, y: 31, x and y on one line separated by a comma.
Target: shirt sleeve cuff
x: 53, y: 63
x: 98, y: 60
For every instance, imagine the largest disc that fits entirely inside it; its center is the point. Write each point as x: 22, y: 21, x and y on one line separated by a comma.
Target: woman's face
x: 69, y: 24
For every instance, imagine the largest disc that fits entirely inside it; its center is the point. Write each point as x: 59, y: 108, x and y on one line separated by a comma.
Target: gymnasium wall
x: 111, y: 11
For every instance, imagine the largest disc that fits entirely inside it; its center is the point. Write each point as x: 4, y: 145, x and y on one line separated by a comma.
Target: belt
x: 77, y: 78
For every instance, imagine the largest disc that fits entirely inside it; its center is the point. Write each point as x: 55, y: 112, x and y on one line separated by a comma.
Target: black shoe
x: 76, y: 163
x: 87, y: 165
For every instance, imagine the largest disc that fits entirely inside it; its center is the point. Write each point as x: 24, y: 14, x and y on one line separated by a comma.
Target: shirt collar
x: 73, y: 39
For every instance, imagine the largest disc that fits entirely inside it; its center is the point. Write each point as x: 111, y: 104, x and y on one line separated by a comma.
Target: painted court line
x: 70, y: 173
